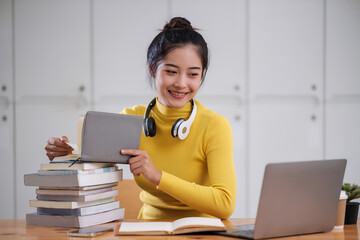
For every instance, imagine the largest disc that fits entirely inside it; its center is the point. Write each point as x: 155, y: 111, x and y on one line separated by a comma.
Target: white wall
x: 284, y: 72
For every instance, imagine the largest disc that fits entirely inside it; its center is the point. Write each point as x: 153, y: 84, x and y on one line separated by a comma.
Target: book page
x: 196, y: 221
x: 69, y: 157
x: 145, y: 227
x: 75, y: 147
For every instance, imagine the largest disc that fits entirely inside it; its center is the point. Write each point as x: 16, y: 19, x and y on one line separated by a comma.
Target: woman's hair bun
x: 178, y: 22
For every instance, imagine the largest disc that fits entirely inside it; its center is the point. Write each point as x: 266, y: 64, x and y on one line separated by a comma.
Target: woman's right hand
x: 57, y: 147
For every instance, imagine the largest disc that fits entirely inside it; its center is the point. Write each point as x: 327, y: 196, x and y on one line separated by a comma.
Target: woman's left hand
x: 141, y: 163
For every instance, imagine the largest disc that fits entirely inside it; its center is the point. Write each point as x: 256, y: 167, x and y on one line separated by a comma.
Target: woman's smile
x: 178, y: 95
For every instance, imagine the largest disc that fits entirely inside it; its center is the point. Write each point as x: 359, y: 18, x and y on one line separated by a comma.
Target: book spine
x: 59, y: 211
x: 69, y: 192
x: 74, y: 221
x: 84, y: 198
x: 79, y: 211
x: 68, y: 205
x: 72, y: 180
x: 61, y: 172
x: 51, y: 181
x: 52, y: 220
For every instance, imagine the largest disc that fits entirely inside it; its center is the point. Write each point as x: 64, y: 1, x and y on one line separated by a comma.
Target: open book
x: 183, y: 225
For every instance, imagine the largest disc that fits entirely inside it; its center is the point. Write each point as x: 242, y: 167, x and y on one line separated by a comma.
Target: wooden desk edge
x: 17, y: 229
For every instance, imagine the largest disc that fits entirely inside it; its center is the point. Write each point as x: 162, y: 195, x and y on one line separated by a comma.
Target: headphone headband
x: 181, y: 127
x: 149, y: 107
x: 149, y: 126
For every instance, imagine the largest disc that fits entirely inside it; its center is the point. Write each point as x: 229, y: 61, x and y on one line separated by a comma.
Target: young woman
x: 184, y: 164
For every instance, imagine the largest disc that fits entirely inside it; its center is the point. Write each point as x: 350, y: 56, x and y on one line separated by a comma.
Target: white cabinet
x: 122, y: 32
x: 286, y: 48
x: 52, y: 51
x: 281, y: 132
x: 52, y: 70
x: 342, y: 50
x: 342, y: 129
x: 343, y: 137
x: 285, y: 86
x: 6, y: 112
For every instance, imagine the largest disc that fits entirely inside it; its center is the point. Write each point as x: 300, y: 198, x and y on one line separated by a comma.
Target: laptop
x: 296, y: 198
x: 105, y: 134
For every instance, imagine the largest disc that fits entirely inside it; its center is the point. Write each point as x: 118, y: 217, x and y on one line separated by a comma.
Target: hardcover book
x: 72, y: 180
x: 83, y: 198
x: 68, y: 205
x: 79, y: 211
x: 82, y: 188
x: 75, y: 221
x: 70, y: 192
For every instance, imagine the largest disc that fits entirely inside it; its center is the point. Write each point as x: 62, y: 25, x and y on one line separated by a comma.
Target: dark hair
x: 175, y: 34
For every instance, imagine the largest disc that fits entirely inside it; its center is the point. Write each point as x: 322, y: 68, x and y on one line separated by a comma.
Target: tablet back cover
x: 105, y: 134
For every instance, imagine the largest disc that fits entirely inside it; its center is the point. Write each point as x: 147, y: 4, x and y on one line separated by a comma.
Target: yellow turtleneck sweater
x: 198, y: 177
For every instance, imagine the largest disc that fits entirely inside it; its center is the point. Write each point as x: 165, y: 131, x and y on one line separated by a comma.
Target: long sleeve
x: 219, y: 198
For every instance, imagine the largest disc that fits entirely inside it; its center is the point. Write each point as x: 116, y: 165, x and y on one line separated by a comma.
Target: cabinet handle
x: 3, y: 88
x: 4, y: 118
x: 313, y: 87
x: 313, y: 117
x: 237, y: 117
x: 237, y: 88
x: 81, y: 88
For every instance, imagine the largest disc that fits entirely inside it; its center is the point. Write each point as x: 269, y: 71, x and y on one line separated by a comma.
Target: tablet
x: 104, y: 135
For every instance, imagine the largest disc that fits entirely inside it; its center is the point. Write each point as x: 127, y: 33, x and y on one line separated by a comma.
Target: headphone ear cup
x: 149, y: 127
x: 175, y: 127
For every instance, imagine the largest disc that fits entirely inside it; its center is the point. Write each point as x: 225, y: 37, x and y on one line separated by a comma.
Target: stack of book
x: 78, y: 196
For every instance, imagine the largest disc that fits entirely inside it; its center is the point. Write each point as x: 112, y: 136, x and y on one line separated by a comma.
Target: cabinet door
x: 286, y: 48
x: 123, y: 30
x: 281, y: 132
x: 343, y: 137
x: 342, y: 131
x: 52, y: 67
x: 222, y: 24
x: 7, y: 209
x: 342, y: 50
x: 34, y: 125
x: 52, y: 54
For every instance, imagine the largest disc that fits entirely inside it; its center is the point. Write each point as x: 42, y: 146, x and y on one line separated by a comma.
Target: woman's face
x: 178, y: 77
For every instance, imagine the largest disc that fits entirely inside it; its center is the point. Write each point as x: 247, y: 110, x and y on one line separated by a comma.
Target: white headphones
x: 180, y: 129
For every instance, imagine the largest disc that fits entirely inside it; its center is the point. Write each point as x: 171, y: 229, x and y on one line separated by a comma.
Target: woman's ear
x: 151, y: 71
x: 152, y: 77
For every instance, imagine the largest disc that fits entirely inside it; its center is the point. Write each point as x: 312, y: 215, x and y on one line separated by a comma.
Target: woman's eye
x: 193, y: 74
x: 170, y: 71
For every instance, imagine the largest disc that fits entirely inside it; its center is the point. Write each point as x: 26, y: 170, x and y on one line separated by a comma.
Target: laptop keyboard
x: 242, y: 230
